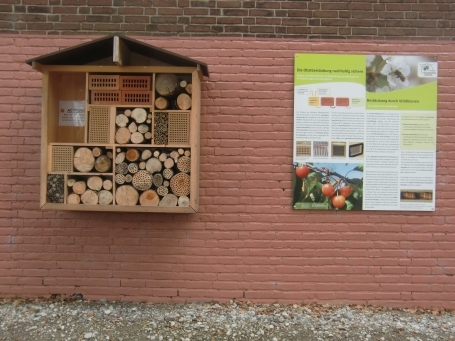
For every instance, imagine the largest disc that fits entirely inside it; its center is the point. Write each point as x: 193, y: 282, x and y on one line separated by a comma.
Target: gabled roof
x: 103, y: 48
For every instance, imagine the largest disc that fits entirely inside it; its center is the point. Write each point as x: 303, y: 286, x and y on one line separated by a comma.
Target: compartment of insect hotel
x: 120, y: 133
x: 153, y: 177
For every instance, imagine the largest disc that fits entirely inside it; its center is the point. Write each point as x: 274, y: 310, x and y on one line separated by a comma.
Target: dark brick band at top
x: 365, y: 19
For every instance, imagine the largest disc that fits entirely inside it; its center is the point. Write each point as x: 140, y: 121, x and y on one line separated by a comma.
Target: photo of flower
x: 386, y: 73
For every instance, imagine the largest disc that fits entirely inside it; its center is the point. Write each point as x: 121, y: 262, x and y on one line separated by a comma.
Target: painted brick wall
x: 246, y: 242
x: 366, y: 19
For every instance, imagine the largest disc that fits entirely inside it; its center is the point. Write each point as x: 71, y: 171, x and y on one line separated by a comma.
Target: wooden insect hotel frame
x: 120, y: 128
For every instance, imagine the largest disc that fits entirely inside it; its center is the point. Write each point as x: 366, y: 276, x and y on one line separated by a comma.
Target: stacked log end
x: 132, y: 126
x: 89, y: 190
x: 153, y: 177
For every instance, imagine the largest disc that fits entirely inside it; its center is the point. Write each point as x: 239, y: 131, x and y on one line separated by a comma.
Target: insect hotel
x: 120, y: 128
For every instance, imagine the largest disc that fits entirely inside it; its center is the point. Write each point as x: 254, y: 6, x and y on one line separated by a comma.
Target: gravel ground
x: 45, y: 320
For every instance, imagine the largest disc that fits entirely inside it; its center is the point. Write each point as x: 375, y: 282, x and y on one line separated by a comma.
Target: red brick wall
x: 366, y: 19
x: 246, y: 242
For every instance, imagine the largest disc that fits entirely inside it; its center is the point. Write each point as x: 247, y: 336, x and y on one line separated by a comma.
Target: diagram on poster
x: 361, y: 125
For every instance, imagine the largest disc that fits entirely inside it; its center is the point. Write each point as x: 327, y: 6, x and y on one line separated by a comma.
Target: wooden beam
x: 114, y: 69
x: 37, y: 66
x: 121, y: 55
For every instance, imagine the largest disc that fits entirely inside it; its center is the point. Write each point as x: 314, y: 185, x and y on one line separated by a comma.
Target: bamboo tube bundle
x: 162, y: 190
x: 161, y: 127
x: 184, y: 164
x: 142, y: 180
x: 180, y: 184
x: 133, y: 168
x: 157, y: 179
x: 121, y: 168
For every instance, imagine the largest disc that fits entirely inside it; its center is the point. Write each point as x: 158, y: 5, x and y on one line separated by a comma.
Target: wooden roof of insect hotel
x: 117, y: 50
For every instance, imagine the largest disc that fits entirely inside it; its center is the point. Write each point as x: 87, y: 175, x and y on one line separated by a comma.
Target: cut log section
x: 73, y: 199
x: 189, y: 88
x: 84, y: 160
x: 169, y: 163
x: 132, y: 155
x: 95, y: 183
x: 121, y: 120
x: 97, y: 151
x: 143, y: 128
x: 166, y: 84
x: 120, y: 158
x: 146, y: 154
x: 161, y: 103
x: 79, y: 187
x: 122, y: 135
x: 153, y: 165
x: 132, y: 127
x: 149, y: 198
x: 126, y: 195
x: 162, y: 157
x: 128, y: 178
x: 184, y: 201
x: 183, y: 83
x: 139, y: 115
x: 103, y: 164
x: 107, y: 184
x: 109, y: 154
x: 169, y: 200
x: 183, y: 102
x: 175, y: 155
x: 180, y: 184
x: 137, y: 137
x: 70, y: 182
x: 127, y: 112
x: 105, y: 197
x: 89, y: 197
